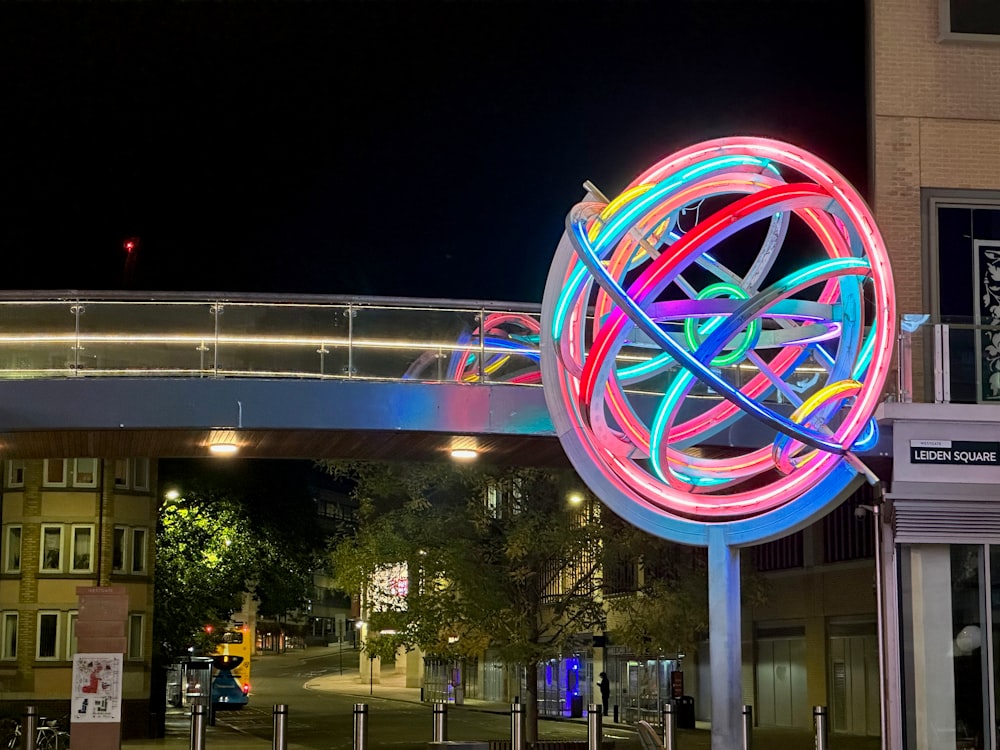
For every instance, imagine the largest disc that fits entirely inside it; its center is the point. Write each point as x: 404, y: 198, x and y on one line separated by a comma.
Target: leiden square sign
x: 955, y: 452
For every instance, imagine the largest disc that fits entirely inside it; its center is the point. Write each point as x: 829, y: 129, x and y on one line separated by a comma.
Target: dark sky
x: 375, y: 148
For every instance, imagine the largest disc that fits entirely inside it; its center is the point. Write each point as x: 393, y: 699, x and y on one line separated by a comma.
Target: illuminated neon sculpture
x: 671, y: 315
x: 659, y: 289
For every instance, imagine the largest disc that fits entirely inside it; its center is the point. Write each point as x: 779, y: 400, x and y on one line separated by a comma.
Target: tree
x: 497, y: 557
x: 668, y: 613
x: 222, y: 539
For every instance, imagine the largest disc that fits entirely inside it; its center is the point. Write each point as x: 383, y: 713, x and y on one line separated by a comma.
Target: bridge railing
x: 107, y: 334
x: 246, y: 337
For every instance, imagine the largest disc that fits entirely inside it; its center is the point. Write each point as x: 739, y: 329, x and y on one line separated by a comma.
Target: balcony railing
x: 948, y: 360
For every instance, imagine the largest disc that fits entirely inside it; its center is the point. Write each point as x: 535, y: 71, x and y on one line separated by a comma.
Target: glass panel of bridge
x: 37, y: 339
x: 273, y: 340
x: 437, y: 344
x: 161, y: 338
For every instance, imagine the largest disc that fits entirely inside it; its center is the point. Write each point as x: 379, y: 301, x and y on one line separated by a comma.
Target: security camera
x: 861, y: 510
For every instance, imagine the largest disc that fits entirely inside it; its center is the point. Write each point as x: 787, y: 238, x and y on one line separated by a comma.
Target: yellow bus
x: 237, y: 642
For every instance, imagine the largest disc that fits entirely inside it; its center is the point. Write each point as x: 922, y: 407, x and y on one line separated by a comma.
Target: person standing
x: 605, y: 687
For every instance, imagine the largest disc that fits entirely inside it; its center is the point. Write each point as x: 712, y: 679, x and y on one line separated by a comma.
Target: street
x: 323, y: 718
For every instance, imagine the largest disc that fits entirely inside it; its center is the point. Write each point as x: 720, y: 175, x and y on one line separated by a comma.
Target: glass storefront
x: 949, y: 600
x: 639, y: 686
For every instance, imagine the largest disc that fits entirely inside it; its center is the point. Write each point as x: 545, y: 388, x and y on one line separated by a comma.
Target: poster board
x: 97, y: 688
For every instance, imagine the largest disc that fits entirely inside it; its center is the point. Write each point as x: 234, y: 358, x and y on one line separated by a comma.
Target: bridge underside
x: 291, y: 418
x: 167, y: 418
x: 518, y: 450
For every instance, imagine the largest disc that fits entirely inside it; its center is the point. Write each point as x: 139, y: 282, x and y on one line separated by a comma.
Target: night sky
x: 374, y: 148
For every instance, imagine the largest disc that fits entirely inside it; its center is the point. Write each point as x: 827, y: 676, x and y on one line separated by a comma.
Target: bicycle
x: 48, y: 736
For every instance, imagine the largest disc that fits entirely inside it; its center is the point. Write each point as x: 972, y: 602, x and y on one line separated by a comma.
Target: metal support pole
x: 440, y: 726
x: 594, y: 730
x: 198, y: 726
x: 280, y: 741
x: 29, y: 728
x: 747, y: 727
x: 517, y: 739
x: 724, y: 634
x: 669, y: 726
x: 821, y: 728
x: 360, y: 726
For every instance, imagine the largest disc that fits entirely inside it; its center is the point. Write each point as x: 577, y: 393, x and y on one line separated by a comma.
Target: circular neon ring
x: 623, y: 309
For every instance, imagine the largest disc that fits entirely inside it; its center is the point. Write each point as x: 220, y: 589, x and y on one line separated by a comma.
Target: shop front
x: 941, y: 545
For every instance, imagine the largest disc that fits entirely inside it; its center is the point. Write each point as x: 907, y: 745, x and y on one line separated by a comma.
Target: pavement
x: 392, y: 687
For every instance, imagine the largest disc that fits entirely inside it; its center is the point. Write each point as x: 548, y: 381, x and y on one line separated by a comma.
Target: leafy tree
x: 222, y: 539
x: 497, y: 557
x: 669, y: 611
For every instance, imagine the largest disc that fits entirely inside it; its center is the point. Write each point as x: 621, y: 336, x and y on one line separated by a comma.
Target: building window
x: 121, y: 474
x: 140, y: 474
x: 9, y: 635
x: 51, y: 550
x: 963, y: 246
x: 84, y: 472
x: 118, y: 548
x: 15, y: 473
x: 48, y: 635
x: 138, y: 550
x: 972, y: 20
x: 12, y: 556
x: 135, y: 632
x: 83, y: 549
x: 54, y: 472
x: 71, y: 634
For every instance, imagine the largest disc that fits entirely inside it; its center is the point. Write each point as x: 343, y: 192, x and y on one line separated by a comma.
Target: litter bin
x: 576, y: 707
x: 685, y: 712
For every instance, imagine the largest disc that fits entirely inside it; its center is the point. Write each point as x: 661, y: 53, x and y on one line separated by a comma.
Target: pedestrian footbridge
x: 168, y: 375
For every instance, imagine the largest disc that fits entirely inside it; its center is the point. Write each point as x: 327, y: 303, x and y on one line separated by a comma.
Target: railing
x: 948, y: 360
x: 256, y: 336
x: 124, y: 334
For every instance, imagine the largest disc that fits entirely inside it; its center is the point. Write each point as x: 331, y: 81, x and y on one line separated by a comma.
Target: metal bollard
x: 517, y: 738
x: 29, y: 728
x: 747, y: 727
x: 360, y: 726
x: 198, y: 726
x: 280, y: 741
x: 821, y: 728
x: 440, y: 727
x: 594, y: 729
x: 669, y: 726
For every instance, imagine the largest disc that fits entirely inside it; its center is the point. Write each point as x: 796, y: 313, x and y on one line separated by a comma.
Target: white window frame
x: 8, y: 548
x: 142, y: 550
x: 123, y: 472
x: 46, y: 482
x: 41, y: 548
x: 94, y: 473
x: 38, y: 635
x: 73, y: 567
x: 135, y: 648
x: 945, y: 34
x: 140, y: 474
x: 15, y: 467
x: 71, y: 619
x: 5, y: 624
x: 126, y: 545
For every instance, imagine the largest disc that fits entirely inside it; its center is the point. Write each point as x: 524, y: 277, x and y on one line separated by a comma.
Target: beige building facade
x: 69, y: 523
